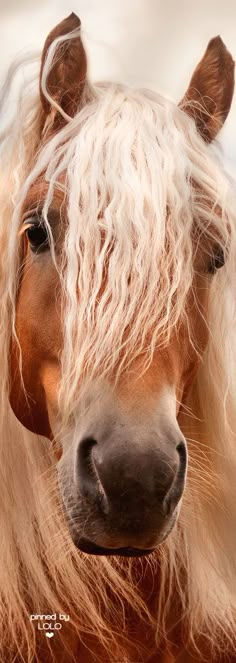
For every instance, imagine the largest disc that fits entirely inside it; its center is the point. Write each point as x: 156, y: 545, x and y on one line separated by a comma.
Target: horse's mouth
x: 88, y: 546
x: 93, y: 549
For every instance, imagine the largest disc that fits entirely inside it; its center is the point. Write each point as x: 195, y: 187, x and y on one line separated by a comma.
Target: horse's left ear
x: 210, y: 92
x: 63, y: 72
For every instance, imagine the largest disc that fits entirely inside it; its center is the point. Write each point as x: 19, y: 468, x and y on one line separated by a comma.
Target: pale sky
x: 153, y: 43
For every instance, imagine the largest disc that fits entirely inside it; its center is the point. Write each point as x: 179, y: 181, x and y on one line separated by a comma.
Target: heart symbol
x: 49, y: 635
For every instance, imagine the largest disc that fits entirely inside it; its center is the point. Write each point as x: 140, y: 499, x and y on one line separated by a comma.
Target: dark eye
x: 37, y: 234
x: 217, y: 260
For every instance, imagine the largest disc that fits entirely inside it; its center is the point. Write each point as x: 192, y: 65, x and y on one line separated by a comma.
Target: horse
x: 118, y: 381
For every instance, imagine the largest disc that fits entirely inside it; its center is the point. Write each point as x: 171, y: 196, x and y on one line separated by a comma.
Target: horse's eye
x: 37, y: 234
x: 217, y: 260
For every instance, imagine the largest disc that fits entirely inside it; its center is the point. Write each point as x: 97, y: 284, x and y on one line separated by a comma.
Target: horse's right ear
x: 63, y: 73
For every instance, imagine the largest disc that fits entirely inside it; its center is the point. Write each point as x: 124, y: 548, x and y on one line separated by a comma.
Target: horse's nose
x: 124, y: 480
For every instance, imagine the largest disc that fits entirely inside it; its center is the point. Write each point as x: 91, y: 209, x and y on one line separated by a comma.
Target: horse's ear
x: 63, y: 72
x: 210, y: 92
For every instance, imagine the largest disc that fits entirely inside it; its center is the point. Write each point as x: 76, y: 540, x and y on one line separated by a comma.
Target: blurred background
x: 152, y: 43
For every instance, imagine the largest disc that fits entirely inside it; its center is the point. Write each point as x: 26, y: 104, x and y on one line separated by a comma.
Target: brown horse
x: 117, y: 337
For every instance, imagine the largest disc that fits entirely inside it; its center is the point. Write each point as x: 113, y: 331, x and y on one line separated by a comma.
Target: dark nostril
x: 176, y: 490
x: 84, y: 468
x: 181, y: 448
x: 86, y: 475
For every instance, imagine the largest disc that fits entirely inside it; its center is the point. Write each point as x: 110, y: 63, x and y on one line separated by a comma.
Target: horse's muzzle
x: 129, y: 487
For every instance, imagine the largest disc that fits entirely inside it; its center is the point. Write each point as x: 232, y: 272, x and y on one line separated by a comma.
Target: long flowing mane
x: 133, y: 230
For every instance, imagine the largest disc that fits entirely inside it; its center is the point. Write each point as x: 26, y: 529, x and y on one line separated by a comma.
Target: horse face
x: 123, y: 463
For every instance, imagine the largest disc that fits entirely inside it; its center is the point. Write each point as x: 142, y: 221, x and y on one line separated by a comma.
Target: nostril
x: 84, y: 472
x: 86, y: 475
x: 176, y: 490
x: 181, y: 448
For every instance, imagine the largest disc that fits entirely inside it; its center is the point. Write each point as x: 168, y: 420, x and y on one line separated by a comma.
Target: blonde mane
x: 138, y: 180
